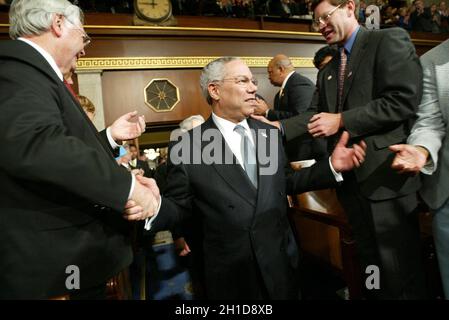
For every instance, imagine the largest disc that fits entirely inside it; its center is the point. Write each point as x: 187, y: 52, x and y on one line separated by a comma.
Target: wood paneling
x: 123, y: 91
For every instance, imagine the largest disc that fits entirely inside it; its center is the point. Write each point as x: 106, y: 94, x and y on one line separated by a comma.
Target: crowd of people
x: 414, y: 17
x: 68, y: 209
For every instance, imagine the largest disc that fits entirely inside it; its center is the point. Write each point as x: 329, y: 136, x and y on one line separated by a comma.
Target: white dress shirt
x: 232, y: 138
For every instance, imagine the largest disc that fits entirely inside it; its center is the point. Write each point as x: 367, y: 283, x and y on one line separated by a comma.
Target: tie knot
x: 240, y: 130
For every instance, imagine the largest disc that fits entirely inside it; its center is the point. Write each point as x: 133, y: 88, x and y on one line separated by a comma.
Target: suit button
x: 102, y: 208
x: 231, y: 206
x: 96, y: 205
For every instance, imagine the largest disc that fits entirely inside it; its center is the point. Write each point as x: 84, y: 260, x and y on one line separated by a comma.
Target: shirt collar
x: 46, y: 55
x: 226, y: 126
x: 348, y: 45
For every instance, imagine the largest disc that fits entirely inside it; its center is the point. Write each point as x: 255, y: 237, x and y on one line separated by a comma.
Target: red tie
x: 341, y: 77
x: 70, y: 89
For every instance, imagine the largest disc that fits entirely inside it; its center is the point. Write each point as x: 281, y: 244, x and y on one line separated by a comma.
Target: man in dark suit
x: 136, y: 163
x: 375, y: 99
x: 239, y: 194
x: 293, y: 98
x: 63, y: 232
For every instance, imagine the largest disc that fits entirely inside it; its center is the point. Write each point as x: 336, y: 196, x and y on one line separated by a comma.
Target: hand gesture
x: 276, y: 124
x: 144, y: 200
x: 261, y: 107
x: 127, y: 127
x: 324, y: 124
x: 138, y: 172
x: 344, y: 158
x: 182, y: 247
x: 409, y: 158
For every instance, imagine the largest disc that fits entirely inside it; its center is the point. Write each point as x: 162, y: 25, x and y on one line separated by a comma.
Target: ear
x: 351, y: 6
x: 214, y: 91
x: 57, y: 25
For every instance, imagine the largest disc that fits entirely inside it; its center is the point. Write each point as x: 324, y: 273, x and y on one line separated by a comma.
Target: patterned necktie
x: 341, y: 77
x: 332, y: 140
x: 248, y: 154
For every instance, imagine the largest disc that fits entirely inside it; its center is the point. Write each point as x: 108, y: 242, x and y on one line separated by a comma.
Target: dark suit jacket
x: 62, y: 191
x: 248, y: 242
x: 296, y: 98
x: 382, y: 89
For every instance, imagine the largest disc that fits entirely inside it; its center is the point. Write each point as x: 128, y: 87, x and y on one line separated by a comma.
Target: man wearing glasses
x: 372, y: 90
x: 239, y: 197
x: 63, y: 230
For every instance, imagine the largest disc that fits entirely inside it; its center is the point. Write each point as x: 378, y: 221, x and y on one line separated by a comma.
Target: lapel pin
x: 329, y: 77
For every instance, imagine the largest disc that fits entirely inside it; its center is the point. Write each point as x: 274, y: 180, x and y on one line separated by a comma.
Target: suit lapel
x: 88, y: 122
x: 277, y: 101
x: 329, y: 84
x: 261, y: 136
x: 357, y: 54
x: 232, y: 174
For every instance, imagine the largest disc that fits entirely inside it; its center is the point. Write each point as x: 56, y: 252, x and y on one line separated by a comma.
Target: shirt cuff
x: 281, y: 129
x: 133, y: 183
x: 112, y: 142
x: 338, y: 176
x: 149, y: 221
x: 429, y: 167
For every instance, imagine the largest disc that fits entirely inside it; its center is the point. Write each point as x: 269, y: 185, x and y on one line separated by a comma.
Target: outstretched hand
x: 127, y: 127
x: 344, y: 158
x: 409, y: 158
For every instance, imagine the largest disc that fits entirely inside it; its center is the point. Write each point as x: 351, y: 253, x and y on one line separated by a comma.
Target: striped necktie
x: 248, y: 154
x: 341, y: 77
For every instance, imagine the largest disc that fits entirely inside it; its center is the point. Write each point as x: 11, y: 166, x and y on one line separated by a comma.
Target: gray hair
x: 35, y: 17
x: 187, y: 123
x: 285, y: 62
x: 213, y: 72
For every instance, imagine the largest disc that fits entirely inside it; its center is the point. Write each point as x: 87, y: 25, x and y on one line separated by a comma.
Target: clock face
x: 153, y: 10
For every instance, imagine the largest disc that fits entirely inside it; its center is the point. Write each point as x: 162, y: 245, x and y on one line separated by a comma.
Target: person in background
x: 136, y: 163
x: 293, y: 98
x: 323, y: 56
x: 87, y: 106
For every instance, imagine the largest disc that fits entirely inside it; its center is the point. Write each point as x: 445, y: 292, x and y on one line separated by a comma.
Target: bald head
x: 279, y: 68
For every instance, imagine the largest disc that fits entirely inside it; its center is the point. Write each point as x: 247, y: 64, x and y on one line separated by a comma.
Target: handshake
x: 144, y: 201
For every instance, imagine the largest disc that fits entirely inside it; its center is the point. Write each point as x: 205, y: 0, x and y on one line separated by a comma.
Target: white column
x: 89, y: 84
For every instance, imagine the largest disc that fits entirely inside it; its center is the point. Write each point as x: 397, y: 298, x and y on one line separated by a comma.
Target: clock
x: 153, y: 11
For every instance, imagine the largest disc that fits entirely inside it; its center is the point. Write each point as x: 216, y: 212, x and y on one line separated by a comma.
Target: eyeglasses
x: 325, y: 17
x: 242, y: 81
x: 86, y: 38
